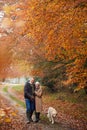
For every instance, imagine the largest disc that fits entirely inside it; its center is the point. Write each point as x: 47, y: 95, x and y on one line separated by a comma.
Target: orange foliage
x: 50, y: 31
x: 61, y: 28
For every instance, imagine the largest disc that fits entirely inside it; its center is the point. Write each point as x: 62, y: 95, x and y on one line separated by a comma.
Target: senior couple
x: 33, y: 99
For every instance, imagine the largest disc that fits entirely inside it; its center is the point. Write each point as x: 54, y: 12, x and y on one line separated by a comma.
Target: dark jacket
x: 28, y: 91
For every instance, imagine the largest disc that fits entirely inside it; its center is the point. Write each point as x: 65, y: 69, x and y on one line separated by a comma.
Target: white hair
x: 37, y: 83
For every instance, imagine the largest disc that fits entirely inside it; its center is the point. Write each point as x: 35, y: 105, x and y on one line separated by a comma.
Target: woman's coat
x: 38, y: 99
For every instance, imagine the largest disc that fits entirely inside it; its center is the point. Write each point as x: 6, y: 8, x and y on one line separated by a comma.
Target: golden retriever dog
x: 51, y: 114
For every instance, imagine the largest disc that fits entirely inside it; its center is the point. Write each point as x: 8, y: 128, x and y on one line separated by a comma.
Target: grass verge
x: 21, y: 103
x: 17, y: 100
x: 5, y: 89
x: 18, y: 88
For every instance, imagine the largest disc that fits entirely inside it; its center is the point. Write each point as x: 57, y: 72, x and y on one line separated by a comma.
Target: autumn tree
x: 11, y: 30
x: 60, y: 28
x: 51, y: 34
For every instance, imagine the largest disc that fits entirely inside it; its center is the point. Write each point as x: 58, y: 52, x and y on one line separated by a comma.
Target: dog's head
x: 54, y: 113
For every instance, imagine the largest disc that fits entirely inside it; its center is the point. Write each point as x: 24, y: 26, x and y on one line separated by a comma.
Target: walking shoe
x: 28, y: 122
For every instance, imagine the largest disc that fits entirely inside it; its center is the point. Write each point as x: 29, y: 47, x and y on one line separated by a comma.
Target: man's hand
x: 32, y: 98
x: 34, y: 94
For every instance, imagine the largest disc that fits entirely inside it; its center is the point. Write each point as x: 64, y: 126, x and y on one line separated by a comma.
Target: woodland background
x: 46, y: 39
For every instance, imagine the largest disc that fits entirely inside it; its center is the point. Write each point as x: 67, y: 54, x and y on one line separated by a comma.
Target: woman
x: 38, y: 100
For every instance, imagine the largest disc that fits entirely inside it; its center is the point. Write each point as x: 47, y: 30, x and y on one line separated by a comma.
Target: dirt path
x: 20, y: 120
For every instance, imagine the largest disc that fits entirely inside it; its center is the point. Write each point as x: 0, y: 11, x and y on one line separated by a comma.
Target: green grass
x: 21, y: 103
x: 17, y: 100
x: 18, y: 88
x: 5, y: 89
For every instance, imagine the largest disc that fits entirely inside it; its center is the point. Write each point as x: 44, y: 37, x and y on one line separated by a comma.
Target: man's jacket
x: 28, y: 90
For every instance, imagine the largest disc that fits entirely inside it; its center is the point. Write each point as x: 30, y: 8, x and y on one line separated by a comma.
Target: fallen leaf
x: 7, y: 120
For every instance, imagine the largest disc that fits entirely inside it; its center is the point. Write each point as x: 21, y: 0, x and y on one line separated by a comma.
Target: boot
x: 29, y: 116
x: 37, y: 116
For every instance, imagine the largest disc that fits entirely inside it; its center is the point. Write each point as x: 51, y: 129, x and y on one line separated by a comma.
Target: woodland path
x: 19, y: 122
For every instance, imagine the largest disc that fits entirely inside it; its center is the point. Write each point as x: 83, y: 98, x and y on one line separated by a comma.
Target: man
x: 29, y: 89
